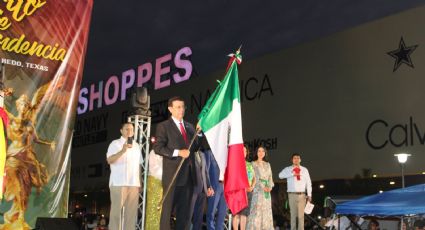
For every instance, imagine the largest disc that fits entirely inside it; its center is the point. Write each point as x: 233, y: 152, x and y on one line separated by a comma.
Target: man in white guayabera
x: 298, y: 183
x: 124, y: 158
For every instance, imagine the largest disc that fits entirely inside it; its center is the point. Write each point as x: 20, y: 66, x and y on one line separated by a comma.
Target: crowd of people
x: 94, y: 223
x: 89, y: 221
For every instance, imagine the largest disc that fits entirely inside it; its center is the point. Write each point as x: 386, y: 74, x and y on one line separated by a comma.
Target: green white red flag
x: 221, y: 122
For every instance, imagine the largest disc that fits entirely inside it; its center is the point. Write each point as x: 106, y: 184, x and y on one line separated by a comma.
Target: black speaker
x: 44, y: 223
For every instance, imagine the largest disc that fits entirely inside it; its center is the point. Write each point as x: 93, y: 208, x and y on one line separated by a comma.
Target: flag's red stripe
x: 236, y: 179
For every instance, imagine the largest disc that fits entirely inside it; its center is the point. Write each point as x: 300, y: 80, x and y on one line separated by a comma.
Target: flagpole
x: 177, y: 171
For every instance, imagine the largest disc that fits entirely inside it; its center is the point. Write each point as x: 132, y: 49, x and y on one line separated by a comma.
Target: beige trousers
x: 124, y: 204
x: 296, y: 206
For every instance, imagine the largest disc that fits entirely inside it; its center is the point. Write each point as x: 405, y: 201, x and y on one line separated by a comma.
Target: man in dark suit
x: 201, y: 191
x: 217, y: 207
x: 172, y: 142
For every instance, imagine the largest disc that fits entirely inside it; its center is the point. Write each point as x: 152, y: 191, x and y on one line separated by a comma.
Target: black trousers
x: 179, y: 198
x: 197, y: 206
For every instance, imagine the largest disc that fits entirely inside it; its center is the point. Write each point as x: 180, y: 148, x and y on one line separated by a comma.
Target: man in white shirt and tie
x: 172, y: 142
x: 299, y: 182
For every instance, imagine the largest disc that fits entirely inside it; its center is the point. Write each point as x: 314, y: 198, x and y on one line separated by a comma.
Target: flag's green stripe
x: 220, y: 103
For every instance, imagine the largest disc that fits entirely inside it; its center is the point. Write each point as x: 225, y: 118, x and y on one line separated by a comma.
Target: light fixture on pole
x: 402, y: 158
x: 140, y: 101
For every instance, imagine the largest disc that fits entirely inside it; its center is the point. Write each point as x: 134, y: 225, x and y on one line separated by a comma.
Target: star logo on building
x: 402, y: 55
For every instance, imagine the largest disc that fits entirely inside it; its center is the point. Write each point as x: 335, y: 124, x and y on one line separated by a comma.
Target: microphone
x: 130, y: 140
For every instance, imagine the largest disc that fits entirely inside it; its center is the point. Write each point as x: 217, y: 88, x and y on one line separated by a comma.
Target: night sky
x: 125, y: 34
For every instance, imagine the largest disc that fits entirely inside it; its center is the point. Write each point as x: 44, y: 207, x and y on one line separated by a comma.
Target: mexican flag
x: 221, y: 122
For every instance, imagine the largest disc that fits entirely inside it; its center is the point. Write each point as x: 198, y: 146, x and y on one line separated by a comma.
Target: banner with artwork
x: 42, y: 49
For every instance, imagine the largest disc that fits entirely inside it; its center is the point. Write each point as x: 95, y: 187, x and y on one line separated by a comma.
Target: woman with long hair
x: 261, y: 216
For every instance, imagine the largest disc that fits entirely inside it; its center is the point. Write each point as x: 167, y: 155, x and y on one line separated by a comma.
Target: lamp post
x: 402, y: 158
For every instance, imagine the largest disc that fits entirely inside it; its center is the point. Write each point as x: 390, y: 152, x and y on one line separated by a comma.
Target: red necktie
x: 297, y: 171
x: 183, y: 133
